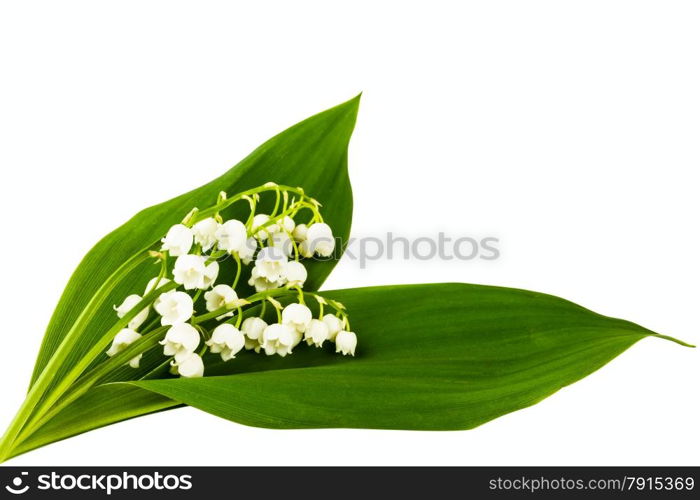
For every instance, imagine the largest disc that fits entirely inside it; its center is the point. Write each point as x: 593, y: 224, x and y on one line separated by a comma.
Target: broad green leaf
x: 103, y: 405
x: 443, y: 356
x: 431, y: 357
x: 311, y: 154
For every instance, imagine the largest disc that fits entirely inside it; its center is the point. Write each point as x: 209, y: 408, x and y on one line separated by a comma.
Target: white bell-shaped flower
x: 220, y: 296
x: 297, y: 337
x: 129, y: 303
x: 155, y: 283
x: 178, y: 241
x: 321, y: 240
x: 211, y: 272
x: 248, y: 249
x: 295, y: 273
x: 260, y: 283
x: 226, y: 340
x: 346, y: 342
x: 205, y: 233
x: 299, y: 232
x: 180, y: 340
x: 231, y: 235
x: 316, y: 333
x: 278, y: 339
x: 270, y: 264
x: 263, y: 232
x: 334, y: 324
x: 121, y: 341
x: 305, y: 249
x: 174, y: 307
x: 253, y: 329
x: 189, y: 366
x: 135, y: 362
x: 283, y: 242
x: 298, y: 316
x: 189, y: 271
x: 287, y: 224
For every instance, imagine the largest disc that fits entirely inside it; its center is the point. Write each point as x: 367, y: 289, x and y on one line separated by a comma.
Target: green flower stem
x: 277, y: 203
x: 239, y: 318
x: 258, y: 297
x: 339, y: 311
x: 46, y: 377
x: 149, y: 340
x: 65, y: 383
x: 87, y: 381
x: 273, y: 220
x: 300, y: 295
x: 253, y: 205
x: 209, y: 212
x: 98, y: 348
x: 238, y: 270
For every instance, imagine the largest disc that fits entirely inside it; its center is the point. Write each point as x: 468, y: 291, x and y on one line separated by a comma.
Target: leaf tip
x: 352, y: 106
x: 673, y: 339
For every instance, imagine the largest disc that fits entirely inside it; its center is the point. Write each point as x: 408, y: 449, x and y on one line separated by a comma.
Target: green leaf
x: 101, y: 406
x: 312, y: 154
x: 430, y: 357
x: 443, y: 356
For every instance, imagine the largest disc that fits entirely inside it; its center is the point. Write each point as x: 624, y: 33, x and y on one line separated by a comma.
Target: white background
x: 567, y: 129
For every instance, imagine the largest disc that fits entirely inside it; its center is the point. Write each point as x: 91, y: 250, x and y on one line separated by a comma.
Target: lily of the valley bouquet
x: 211, y: 300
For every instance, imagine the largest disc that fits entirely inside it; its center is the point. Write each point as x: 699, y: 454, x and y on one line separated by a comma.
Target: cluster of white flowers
x: 273, y: 268
x: 274, y: 244
x: 296, y: 324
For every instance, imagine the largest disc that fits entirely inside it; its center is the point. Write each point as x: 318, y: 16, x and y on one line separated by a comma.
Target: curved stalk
x: 38, y: 389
